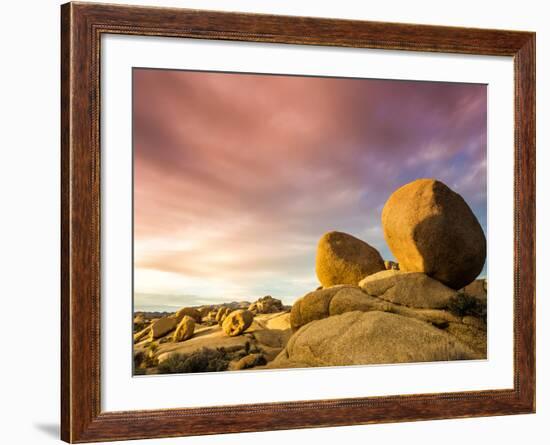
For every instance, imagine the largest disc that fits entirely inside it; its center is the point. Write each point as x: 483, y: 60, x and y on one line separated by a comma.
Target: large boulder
x: 413, y: 289
x: 185, y: 329
x: 163, y: 326
x: 429, y: 228
x: 237, y: 322
x: 191, y: 312
x: 362, y: 338
x: 344, y: 259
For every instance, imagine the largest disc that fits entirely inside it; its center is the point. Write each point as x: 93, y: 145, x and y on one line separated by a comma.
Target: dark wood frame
x: 82, y: 25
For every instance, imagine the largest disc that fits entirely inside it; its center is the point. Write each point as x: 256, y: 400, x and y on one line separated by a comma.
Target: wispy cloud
x: 237, y: 176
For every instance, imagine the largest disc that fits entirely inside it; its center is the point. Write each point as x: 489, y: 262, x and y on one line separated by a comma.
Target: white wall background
x: 29, y: 218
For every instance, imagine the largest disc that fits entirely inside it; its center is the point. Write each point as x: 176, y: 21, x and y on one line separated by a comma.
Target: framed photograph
x: 274, y: 222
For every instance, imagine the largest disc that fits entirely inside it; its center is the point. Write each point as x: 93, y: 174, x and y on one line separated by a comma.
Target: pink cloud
x: 255, y: 168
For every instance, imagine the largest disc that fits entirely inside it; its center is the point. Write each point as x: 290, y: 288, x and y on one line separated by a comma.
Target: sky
x: 237, y: 176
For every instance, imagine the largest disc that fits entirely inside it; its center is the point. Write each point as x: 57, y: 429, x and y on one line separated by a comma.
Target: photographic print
x: 286, y: 221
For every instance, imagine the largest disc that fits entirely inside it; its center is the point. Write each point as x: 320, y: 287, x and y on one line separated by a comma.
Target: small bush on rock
x: 204, y: 360
x: 463, y: 304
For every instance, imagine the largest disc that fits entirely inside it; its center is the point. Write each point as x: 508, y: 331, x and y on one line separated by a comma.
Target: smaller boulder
x: 222, y: 313
x: 163, y: 326
x: 354, y: 299
x: 237, y: 322
x: 185, y: 329
x: 312, y: 306
x: 391, y: 265
x: 191, y: 312
x: 204, y: 311
x: 142, y: 334
x: 413, y: 289
x: 330, y: 301
x: 344, y: 259
x: 211, y: 316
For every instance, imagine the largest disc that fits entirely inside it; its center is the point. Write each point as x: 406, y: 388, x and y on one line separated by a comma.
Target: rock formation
x: 427, y: 307
x: 266, y: 305
x: 360, y: 338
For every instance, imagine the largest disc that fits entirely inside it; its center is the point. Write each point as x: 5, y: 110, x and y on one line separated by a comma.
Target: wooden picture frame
x: 82, y: 25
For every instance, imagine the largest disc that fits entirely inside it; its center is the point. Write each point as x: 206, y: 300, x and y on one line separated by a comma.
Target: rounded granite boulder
x: 431, y: 229
x: 237, y: 322
x: 185, y: 329
x: 344, y: 259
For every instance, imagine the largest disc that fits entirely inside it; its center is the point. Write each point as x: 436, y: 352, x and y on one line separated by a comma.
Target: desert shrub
x: 150, y: 361
x: 204, y: 360
x: 463, y: 304
x: 146, y: 359
x: 143, y: 360
x: 139, y: 357
x: 140, y: 326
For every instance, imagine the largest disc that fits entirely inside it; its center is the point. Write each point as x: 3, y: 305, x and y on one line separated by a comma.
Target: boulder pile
x: 218, y: 337
x: 266, y: 305
x: 427, y: 306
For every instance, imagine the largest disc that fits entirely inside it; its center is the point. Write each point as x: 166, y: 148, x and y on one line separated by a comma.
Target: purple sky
x: 237, y: 176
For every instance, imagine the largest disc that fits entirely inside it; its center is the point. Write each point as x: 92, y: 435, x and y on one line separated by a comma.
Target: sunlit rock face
x: 344, y: 259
